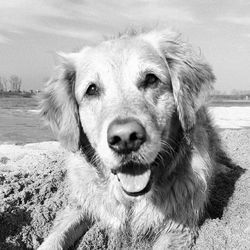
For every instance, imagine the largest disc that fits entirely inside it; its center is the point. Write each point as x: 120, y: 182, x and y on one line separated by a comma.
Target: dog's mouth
x: 134, y: 178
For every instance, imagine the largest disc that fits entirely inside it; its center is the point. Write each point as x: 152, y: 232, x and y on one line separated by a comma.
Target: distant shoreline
x: 215, y: 99
x: 23, y: 94
x: 228, y: 102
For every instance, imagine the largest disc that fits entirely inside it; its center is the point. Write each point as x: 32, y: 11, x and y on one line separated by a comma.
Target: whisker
x: 167, y: 148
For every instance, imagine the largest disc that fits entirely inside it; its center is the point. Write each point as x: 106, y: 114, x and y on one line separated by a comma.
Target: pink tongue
x: 134, y: 183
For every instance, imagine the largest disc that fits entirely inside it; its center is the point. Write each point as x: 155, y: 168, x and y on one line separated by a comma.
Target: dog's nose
x: 126, y: 135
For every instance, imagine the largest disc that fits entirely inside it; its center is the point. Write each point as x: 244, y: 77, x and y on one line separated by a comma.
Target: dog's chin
x: 133, y: 179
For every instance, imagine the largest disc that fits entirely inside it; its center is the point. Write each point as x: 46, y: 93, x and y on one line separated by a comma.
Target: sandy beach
x: 33, y: 190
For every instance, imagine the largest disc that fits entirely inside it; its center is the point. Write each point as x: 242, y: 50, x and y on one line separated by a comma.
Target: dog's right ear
x: 191, y: 76
x: 58, y: 105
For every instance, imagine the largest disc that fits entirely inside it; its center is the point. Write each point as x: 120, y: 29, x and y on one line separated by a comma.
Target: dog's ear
x: 58, y: 105
x: 191, y: 76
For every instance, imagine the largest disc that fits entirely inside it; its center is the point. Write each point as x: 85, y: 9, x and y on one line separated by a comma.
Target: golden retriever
x: 131, y: 111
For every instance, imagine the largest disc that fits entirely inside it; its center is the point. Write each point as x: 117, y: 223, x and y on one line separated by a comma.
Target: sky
x: 32, y: 31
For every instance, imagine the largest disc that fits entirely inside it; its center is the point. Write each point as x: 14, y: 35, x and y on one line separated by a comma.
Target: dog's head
x: 125, y: 102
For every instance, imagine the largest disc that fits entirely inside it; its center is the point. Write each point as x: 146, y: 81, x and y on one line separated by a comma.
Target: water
x: 20, y: 122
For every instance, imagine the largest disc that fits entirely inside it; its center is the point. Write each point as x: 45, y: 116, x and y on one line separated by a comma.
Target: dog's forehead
x: 120, y: 54
x: 122, y: 49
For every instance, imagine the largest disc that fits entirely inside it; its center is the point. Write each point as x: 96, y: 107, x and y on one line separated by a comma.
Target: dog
x: 143, y: 150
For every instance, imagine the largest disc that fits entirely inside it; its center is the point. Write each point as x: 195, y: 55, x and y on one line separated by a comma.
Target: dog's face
x: 123, y: 95
x: 123, y: 90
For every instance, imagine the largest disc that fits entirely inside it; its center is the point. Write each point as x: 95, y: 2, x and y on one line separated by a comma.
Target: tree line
x: 13, y: 83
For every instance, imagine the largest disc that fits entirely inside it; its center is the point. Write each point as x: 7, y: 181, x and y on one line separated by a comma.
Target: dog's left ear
x: 58, y: 105
x: 191, y: 76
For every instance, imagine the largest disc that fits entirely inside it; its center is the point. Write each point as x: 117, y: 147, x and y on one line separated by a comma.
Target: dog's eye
x: 151, y: 80
x: 92, y: 90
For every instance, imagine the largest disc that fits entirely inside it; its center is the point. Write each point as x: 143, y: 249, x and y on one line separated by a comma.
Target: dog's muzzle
x: 126, y: 136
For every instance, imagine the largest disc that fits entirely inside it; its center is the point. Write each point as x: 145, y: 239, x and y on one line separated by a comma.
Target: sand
x: 33, y: 189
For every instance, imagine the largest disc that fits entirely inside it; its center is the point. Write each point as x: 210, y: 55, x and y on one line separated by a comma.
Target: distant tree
x: 3, y: 83
x: 15, y: 83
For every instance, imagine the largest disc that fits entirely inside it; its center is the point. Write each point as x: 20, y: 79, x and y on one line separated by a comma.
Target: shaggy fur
x: 180, y: 152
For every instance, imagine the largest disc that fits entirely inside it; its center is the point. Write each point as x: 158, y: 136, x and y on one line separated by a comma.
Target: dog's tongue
x: 134, y: 183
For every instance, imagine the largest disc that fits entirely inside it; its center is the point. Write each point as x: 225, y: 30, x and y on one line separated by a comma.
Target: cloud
x: 236, y: 20
x: 87, y: 19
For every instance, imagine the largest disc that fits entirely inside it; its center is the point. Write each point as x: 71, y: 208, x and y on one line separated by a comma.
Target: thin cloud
x: 78, y: 19
x: 73, y: 33
x: 236, y: 20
